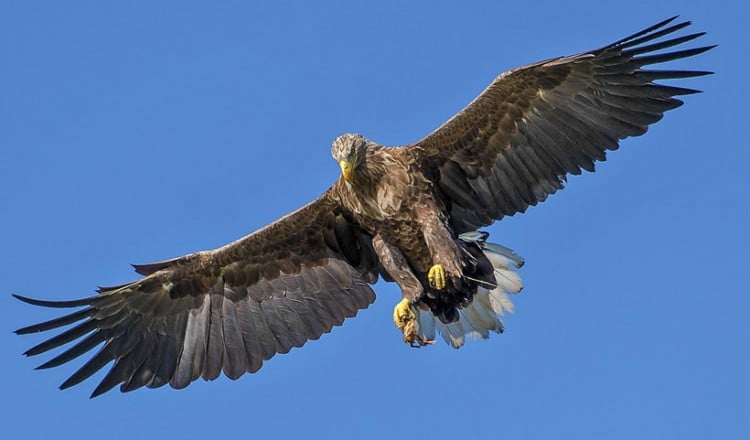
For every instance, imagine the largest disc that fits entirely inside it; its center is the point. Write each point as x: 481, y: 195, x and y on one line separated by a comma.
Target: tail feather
x: 508, y: 280
x: 483, y: 318
x: 500, y: 302
x: 495, y: 250
x: 453, y: 333
x: 473, y: 322
x: 482, y: 314
x: 483, y: 297
x: 426, y: 322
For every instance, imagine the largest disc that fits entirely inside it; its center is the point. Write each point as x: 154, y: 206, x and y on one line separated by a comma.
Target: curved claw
x: 436, y: 277
x: 405, y: 318
x: 403, y: 314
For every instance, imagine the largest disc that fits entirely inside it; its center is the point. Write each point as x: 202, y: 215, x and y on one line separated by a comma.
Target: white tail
x: 483, y: 314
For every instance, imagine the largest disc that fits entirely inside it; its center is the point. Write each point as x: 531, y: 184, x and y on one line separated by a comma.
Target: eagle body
x: 391, y: 200
x: 389, y: 195
x: 410, y: 214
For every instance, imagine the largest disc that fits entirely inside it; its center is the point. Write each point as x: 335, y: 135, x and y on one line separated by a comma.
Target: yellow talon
x: 403, y: 313
x: 436, y: 277
x: 405, y: 318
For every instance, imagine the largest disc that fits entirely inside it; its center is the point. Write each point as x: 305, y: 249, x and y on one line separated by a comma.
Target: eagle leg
x: 405, y: 313
x: 446, y: 255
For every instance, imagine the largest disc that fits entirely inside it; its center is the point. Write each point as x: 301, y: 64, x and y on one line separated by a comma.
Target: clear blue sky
x: 137, y: 133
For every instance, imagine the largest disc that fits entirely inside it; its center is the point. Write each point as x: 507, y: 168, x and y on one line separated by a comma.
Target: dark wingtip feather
x: 57, y: 322
x: 105, y: 385
x: 63, y: 338
x: 662, y: 44
x: 655, y: 35
x: 93, y: 365
x: 75, y: 351
x: 669, y: 56
x: 684, y: 91
x: 55, y: 304
x: 649, y: 29
x: 652, y: 75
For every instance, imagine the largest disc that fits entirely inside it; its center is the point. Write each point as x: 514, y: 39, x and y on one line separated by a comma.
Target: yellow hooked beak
x: 346, y: 170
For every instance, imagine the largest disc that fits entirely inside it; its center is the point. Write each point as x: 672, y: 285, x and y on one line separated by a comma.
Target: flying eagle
x: 410, y: 214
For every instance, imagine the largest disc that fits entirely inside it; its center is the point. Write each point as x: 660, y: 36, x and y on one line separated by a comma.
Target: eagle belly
x: 471, y: 308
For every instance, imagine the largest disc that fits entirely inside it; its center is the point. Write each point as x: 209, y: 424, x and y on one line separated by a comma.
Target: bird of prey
x: 411, y: 214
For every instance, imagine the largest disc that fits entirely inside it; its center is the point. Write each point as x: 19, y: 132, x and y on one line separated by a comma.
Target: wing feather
x: 223, y: 310
x: 215, y: 349
x: 250, y: 336
x: 514, y: 145
x: 234, y: 346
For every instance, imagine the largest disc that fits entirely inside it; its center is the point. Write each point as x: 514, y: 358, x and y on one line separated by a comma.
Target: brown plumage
x: 409, y: 214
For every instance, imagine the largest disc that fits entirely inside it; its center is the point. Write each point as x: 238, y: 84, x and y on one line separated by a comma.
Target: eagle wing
x: 228, y: 309
x: 516, y: 142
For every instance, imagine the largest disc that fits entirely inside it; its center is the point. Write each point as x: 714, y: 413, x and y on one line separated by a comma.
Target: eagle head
x: 348, y: 150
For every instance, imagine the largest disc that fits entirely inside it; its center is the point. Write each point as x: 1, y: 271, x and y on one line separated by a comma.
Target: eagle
x: 409, y: 214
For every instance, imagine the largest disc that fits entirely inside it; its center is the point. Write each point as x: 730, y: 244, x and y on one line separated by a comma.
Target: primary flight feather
x: 408, y: 214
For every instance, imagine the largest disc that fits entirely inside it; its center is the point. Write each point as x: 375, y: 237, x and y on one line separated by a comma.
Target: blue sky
x: 135, y: 133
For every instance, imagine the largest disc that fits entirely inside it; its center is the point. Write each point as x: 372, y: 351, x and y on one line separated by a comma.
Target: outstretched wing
x: 515, y: 143
x: 228, y: 309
